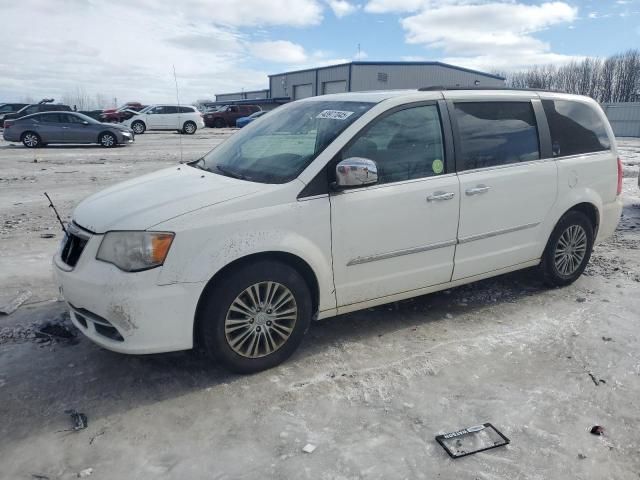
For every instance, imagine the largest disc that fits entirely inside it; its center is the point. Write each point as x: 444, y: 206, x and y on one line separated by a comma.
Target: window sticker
x: 334, y: 114
x: 437, y: 166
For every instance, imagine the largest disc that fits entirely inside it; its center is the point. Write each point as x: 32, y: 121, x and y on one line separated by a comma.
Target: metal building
x: 624, y: 118
x: 249, y: 95
x: 362, y: 76
x: 358, y: 77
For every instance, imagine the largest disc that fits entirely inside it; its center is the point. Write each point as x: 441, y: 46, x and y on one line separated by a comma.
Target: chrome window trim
x: 495, y: 233
x: 393, y: 184
x: 399, y: 253
x: 313, y: 197
x: 508, y: 165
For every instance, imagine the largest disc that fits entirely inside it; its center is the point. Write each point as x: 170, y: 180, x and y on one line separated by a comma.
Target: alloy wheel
x: 261, y: 319
x: 189, y: 128
x: 107, y: 140
x: 570, y: 250
x: 30, y: 140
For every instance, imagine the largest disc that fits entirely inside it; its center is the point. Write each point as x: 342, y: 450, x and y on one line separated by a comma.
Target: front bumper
x: 126, y: 137
x: 127, y: 312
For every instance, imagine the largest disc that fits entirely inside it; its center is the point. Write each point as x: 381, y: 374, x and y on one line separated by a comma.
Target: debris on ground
x: 47, y: 235
x: 581, y: 299
x: 596, y: 381
x: 14, y: 303
x: 38, y: 476
x: 85, y: 473
x: 607, y: 339
x: 309, y: 448
x: 582, y: 456
x: 472, y: 440
x: 597, y: 430
x: 79, y: 420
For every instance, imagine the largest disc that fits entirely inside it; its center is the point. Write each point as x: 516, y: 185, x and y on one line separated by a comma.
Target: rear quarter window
x: 576, y: 128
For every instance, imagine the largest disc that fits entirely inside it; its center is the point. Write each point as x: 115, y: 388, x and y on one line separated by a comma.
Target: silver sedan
x: 44, y: 128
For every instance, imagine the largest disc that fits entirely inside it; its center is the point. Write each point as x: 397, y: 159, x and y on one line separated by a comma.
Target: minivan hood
x: 143, y: 202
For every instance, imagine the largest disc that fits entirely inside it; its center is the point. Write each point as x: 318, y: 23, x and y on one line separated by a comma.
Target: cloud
x: 281, y: 51
x: 128, y: 49
x: 496, y: 35
x: 341, y: 8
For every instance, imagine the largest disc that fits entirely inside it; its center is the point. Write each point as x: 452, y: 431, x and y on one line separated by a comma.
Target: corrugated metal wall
x: 372, y: 77
x: 624, y: 118
x: 282, y: 85
x: 249, y: 95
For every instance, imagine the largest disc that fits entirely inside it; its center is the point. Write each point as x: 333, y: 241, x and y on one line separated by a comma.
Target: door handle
x: 477, y: 190
x: 438, y: 196
x: 64, y: 128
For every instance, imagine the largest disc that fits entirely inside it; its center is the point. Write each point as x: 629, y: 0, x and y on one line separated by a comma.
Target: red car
x: 117, y: 115
x: 226, y: 116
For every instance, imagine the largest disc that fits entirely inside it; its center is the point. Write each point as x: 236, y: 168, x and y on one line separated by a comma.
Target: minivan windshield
x: 279, y: 147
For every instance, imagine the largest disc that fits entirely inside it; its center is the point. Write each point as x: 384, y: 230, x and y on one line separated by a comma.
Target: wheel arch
x: 102, y: 132
x: 290, y: 259
x: 591, y: 211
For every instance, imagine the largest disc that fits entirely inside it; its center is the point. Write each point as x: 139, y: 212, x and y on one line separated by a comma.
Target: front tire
x: 107, y: 140
x: 568, y: 250
x: 256, y: 317
x: 138, y: 127
x: 31, y: 140
x: 189, y: 128
x: 219, y: 123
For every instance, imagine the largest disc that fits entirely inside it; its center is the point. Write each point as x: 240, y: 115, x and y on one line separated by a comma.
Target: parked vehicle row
x: 340, y: 203
x: 41, y: 129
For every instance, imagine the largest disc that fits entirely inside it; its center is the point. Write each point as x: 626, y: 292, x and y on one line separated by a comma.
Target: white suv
x: 183, y: 118
x: 334, y: 204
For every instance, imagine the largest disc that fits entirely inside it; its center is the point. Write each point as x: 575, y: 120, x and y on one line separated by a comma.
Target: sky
x: 127, y: 50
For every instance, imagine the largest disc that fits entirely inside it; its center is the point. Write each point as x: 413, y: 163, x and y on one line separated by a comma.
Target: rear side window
x: 576, y: 128
x: 50, y: 118
x: 496, y: 133
x: 186, y: 109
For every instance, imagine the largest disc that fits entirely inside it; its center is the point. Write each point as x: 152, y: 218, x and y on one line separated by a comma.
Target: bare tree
x: 614, y: 79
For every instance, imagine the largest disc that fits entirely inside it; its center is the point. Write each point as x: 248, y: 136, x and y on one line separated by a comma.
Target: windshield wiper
x: 230, y: 173
x: 198, y: 163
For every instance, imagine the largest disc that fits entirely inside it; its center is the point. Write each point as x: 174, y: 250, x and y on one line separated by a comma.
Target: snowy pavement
x: 369, y: 390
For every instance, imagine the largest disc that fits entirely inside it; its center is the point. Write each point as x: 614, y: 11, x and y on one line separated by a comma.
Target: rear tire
x: 219, y: 123
x: 31, y: 140
x: 568, y: 250
x: 107, y: 140
x: 189, y: 128
x: 138, y: 127
x: 255, y: 317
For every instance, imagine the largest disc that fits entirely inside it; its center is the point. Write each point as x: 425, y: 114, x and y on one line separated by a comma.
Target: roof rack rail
x: 442, y: 87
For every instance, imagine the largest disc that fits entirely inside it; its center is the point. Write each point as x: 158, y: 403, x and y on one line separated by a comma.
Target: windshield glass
x: 278, y: 149
x: 146, y: 109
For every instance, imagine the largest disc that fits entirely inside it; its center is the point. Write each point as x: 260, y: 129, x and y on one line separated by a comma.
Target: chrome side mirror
x: 356, y: 172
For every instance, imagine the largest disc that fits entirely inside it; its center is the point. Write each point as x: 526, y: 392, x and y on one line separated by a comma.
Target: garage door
x: 334, y: 87
x: 302, y: 91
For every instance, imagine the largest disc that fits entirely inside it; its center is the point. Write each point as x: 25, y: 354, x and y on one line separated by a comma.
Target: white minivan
x: 337, y: 203
x: 183, y: 118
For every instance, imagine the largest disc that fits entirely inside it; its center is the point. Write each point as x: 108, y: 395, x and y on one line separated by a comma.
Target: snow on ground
x: 369, y: 389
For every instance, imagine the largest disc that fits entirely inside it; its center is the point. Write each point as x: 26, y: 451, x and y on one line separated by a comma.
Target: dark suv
x: 7, y: 108
x: 227, y: 116
x: 37, y: 108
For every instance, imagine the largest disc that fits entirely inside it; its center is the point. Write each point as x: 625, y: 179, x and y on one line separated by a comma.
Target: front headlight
x: 135, y: 251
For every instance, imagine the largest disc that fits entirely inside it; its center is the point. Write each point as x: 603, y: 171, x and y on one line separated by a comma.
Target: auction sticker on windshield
x: 334, y: 114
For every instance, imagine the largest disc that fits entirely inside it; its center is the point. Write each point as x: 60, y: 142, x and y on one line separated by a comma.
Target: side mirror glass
x: 356, y: 172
